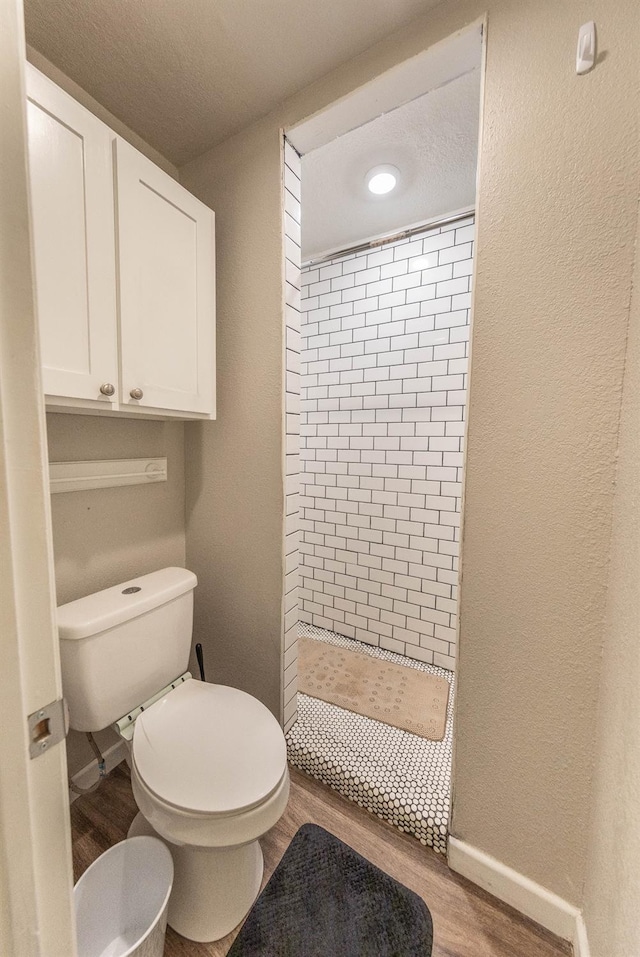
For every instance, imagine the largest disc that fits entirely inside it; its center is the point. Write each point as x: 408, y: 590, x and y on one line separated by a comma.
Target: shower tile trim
x: 291, y: 428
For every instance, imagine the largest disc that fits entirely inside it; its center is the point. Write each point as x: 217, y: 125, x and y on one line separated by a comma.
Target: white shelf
x: 113, y: 473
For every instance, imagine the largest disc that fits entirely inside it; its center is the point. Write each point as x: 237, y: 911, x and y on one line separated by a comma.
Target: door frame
x: 36, y: 875
x: 389, y: 90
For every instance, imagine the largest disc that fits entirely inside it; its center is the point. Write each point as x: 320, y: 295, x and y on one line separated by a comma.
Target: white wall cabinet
x: 74, y: 245
x: 165, y: 243
x: 124, y: 270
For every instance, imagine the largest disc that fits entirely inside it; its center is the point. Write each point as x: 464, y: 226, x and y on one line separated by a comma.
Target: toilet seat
x: 209, y: 749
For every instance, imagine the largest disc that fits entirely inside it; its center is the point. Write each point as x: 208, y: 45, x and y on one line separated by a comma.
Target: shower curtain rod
x: 403, y: 234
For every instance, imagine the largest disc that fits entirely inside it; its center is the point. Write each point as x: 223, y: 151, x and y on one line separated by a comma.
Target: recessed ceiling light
x: 382, y: 179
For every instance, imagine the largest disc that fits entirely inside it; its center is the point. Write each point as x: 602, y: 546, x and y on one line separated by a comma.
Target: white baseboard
x: 580, y: 940
x: 531, y: 899
x: 89, y: 774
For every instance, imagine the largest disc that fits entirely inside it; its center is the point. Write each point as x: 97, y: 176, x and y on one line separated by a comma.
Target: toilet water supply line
x: 102, y: 769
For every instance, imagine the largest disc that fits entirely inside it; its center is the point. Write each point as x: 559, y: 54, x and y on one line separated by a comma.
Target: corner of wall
x: 613, y: 866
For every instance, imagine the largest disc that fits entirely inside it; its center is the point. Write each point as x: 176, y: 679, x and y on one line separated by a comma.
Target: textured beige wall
x: 558, y: 188
x: 105, y: 536
x: 63, y: 81
x: 556, y: 222
x: 235, y: 495
x: 613, y: 875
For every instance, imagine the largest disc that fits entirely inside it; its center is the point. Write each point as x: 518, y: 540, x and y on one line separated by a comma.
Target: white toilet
x: 208, y: 762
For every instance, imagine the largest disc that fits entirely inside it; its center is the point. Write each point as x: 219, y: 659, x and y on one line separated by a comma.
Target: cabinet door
x: 167, y: 291
x: 73, y: 234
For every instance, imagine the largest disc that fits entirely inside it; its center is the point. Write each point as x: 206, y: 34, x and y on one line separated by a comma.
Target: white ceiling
x: 432, y: 140
x: 187, y: 74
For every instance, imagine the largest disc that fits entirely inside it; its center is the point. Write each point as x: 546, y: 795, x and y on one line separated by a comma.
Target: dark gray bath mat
x: 325, y: 900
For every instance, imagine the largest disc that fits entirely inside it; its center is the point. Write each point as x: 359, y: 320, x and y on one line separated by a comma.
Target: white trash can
x: 121, y: 901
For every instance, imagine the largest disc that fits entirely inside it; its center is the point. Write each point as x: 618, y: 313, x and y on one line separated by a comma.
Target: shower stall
x: 384, y: 365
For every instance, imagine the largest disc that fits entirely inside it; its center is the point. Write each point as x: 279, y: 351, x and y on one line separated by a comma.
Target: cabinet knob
x: 107, y: 388
x: 136, y: 393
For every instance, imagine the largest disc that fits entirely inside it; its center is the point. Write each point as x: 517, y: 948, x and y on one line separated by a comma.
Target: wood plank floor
x: 467, y: 921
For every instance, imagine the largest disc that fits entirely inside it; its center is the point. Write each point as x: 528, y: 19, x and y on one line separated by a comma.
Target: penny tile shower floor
x: 404, y: 779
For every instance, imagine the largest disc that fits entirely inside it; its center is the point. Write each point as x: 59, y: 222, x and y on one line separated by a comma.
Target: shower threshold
x: 402, y: 778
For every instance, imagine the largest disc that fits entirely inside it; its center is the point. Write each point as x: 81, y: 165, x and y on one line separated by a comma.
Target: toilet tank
x: 120, y: 646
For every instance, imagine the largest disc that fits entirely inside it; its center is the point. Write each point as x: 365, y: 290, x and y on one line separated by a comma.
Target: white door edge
x: 36, y: 915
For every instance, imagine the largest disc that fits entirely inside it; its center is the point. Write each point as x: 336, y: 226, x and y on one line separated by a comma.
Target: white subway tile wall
x: 291, y: 429
x: 385, y: 346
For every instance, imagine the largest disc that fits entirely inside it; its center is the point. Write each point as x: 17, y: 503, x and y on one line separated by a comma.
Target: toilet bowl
x: 208, y: 762
x: 210, y: 797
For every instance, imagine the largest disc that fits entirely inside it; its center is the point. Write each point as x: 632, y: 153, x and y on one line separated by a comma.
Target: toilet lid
x: 209, y: 748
